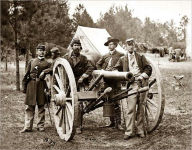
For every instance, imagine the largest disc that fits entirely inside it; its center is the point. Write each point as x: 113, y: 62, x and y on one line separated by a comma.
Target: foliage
x: 51, y: 24
x: 48, y: 21
x: 182, y: 28
x: 39, y: 22
x: 27, y: 23
x: 121, y: 24
x: 81, y: 17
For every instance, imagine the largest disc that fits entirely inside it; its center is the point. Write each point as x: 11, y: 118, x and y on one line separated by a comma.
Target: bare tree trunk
x: 16, y: 50
x: 6, y: 62
x: 27, y: 58
x: 17, y: 64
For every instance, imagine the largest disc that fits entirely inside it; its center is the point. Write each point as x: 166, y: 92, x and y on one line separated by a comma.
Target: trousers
x: 29, y: 116
x: 129, y: 113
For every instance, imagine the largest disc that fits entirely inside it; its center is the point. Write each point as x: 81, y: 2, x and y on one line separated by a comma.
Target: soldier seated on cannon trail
x: 34, y: 86
x: 141, y: 69
x: 82, y: 68
x: 107, y: 62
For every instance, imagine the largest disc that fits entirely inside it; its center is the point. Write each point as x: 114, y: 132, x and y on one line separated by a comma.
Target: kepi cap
x: 76, y: 41
x: 129, y: 39
x: 42, y: 47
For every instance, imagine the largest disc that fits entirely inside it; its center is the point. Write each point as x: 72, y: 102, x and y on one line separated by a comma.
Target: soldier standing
x: 138, y: 65
x: 35, y: 90
x: 81, y: 66
x: 82, y: 69
x: 107, y: 62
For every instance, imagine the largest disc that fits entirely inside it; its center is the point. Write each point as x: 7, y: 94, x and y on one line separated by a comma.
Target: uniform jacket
x: 81, y: 66
x: 143, y: 64
x: 35, y: 87
x: 103, y: 62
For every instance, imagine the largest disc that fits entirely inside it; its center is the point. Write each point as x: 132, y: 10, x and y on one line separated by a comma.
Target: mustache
x: 77, y: 49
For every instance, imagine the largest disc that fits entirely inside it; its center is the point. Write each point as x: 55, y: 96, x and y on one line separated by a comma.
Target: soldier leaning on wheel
x: 107, y: 62
x: 34, y: 86
x: 55, y: 53
x: 138, y: 65
x: 82, y: 69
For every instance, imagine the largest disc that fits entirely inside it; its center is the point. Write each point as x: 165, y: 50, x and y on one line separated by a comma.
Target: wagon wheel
x: 65, y: 99
x: 155, y: 100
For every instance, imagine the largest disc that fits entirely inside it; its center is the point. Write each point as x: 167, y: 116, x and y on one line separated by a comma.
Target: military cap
x: 41, y: 46
x: 76, y: 41
x: 55, y: 50
x: 130, y: 39
x: 111, y: 39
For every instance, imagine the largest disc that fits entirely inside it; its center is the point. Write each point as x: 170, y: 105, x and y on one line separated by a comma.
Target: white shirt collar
x: 40, y: 58
x: 133, y: 54
x: 112, y: 52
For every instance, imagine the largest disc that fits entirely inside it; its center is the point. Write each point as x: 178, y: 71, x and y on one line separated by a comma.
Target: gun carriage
x: 66, y: 96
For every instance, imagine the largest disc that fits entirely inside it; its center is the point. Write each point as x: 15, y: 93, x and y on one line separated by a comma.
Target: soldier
x: 107, y: 62
x: 35, y: 90
x: 138, y: 65
x: 55, y: 53
x: 82, y: 70
x: 81, y: 66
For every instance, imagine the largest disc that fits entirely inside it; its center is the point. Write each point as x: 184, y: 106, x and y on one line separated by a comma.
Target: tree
x: 171, y: 31
x: 81, y: 17
x: 6, y: 34
x: 29, y: 10
x: 52, y: 24
x: 12, y: 13
x: 120, y: 24
x: 34, y: 22
x: 182, y: 27
x: 108, y: 21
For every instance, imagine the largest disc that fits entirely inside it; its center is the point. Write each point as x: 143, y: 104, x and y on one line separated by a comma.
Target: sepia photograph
x: 96, y: 75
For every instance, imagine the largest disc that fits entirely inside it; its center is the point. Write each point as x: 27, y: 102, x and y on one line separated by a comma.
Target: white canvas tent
x: 92, y: 41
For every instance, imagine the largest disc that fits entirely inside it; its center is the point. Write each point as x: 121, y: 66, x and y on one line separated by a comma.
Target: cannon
x: 66, y: 96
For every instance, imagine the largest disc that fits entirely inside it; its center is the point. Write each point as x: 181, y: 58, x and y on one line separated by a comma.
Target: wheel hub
x: 60, y: 99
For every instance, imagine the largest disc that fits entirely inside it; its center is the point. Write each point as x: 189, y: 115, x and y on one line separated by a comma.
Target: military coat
x: 36, y: 86
x: 143, y: 64
x: 79, y: 64
x: 104, y: 61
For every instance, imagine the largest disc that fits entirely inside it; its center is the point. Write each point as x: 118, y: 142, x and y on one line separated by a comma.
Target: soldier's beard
x: 53, y: 56
x: 76, y: 51
x: 130, y: 49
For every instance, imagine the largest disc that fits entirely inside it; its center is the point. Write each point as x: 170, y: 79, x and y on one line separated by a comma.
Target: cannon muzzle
x: 114, y: 75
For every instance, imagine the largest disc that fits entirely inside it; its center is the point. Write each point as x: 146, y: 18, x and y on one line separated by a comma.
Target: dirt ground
x: 174, y: 132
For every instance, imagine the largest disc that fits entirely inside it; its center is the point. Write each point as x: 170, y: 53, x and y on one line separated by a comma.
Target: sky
x: 160, y: 11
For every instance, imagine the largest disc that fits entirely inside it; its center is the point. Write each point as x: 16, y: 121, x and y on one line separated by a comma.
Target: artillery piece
x: 66, y: 96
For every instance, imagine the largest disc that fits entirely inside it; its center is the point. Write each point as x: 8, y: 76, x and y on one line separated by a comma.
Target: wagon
x: 66, y: 97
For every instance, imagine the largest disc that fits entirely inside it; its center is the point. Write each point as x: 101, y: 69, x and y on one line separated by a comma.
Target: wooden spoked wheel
x: 64, y: 99
x: 155, y: 100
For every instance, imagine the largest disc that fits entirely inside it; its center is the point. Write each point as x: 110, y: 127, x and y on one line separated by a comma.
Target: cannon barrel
x: 114, y: 74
